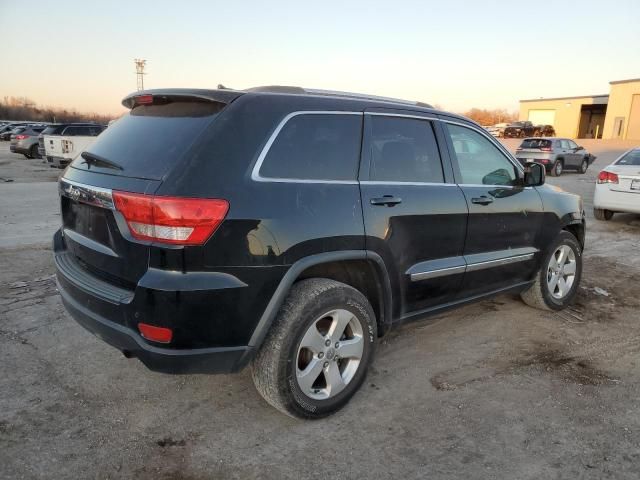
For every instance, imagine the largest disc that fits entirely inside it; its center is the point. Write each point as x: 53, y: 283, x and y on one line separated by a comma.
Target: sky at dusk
x: 456, y: 54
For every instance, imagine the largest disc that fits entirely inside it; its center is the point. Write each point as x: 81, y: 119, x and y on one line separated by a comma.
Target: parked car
x: 556, y: 154
x: 8, y: 130
x: 288, y: 229
x: 497, y: 130
x: 545, y: 131
x: 69, y: 141
x: 520, y: 129
x: 25, y: 141
x: 618, y: 187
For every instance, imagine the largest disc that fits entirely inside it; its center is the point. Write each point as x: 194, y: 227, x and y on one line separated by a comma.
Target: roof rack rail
x: 276, y: 89
x: 364, y: 96
x: 331, y: 93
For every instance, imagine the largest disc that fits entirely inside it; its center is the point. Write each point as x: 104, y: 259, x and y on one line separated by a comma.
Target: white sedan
x: 618, y: 187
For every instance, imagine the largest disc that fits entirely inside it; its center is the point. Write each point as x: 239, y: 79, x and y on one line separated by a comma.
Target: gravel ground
x: 492, y: 390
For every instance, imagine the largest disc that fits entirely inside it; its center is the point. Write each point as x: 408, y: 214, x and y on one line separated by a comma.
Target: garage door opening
x: 542, y: 117
x: 591, y: 121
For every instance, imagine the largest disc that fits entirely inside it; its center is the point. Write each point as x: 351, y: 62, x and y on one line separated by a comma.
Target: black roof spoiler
x: 219, y: 96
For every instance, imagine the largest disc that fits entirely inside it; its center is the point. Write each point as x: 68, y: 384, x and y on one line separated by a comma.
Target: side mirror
x: 534, y: 175
x: 579, y: 147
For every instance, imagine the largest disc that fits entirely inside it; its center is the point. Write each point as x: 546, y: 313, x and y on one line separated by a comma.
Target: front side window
x: 316, y: 147
x: 404, y: 150
x: 480, y: 162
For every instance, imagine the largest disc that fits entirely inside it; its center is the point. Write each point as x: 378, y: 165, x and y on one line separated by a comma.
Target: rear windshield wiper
x: 98, y: 161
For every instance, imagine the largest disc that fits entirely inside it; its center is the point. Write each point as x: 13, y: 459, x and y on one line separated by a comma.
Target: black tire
x: 557, y: 168
x: 538, y: 295
x: 26, y: 155
x: 34, y: 152
x: 584, y: 166
x: 602, y: 214
x: 276, y: 363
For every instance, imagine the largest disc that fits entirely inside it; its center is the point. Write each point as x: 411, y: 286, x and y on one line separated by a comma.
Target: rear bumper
x: 112, y: 314
x: 57, y: 161
x: 607, y: 199
x: 165, y: 360
x: 19, y: 149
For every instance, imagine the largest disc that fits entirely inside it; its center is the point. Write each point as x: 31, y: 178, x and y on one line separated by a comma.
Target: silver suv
x: 556, y: 154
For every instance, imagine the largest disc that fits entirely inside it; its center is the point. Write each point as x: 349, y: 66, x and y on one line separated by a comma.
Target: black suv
x: 285, y: 228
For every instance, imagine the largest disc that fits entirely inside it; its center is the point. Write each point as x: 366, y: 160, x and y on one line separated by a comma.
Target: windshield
x: 631, y: 158
x: 150, y: 140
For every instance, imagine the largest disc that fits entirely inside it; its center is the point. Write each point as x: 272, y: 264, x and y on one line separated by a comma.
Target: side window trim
x: 365, y: 167
x: 456, y: 168
x: 255, y: 172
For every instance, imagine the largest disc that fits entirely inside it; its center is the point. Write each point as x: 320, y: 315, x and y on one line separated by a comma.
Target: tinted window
x: 53, y: 130
x: 572, y: 144
x: 404, y: 150
x: 631, y: 158
x: 564, y: 144
x: 479, y: 160
x: 151, y: 139
x: 316, y: 147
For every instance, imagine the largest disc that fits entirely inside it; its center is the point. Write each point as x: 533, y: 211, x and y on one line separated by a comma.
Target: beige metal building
x: 613, y: 115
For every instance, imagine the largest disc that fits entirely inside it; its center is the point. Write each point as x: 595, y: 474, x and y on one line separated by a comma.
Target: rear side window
x: 404, y: 150
x: 536, y: 143
x: 316, y: 147
x: 151, y: 139
x: 53, y: 130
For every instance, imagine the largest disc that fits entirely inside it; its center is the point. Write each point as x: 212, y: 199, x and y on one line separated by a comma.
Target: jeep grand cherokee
x: 288, y: 229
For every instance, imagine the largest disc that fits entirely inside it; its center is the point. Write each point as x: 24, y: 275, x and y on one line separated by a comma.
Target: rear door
x: 415, y: 216
x: 504, y: 217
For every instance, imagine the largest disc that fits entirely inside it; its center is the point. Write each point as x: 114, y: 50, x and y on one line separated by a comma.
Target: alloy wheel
x: 561, y: 272
x: 329, y: 354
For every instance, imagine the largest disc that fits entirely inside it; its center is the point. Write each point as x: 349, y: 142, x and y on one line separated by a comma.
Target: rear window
x: 150, y: 139
x: 536, y: 143
x: 631, y: 158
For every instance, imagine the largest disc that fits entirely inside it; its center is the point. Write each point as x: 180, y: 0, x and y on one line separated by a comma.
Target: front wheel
x: 584, y: 165
x: 318, y: 350
x: 559, y: 277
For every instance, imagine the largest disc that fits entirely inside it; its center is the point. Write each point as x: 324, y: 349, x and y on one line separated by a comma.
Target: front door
x: 504, y: 217
x: 415, y: 215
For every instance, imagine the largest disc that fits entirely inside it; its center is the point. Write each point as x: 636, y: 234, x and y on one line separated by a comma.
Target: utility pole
x: 140, y: 64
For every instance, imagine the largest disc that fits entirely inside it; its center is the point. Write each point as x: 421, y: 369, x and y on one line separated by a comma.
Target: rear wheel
x: 27, y: 155
x: 556, y: 169
x: 318, y: 350
x: 557, y: 281
x: 34, y: 152
x: 602, y: 214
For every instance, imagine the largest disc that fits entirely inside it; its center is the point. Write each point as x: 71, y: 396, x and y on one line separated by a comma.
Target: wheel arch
x: 341, y: 266
x: 577, y: 229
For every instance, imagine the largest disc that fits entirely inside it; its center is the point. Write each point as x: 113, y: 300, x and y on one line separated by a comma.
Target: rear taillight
x: 21, y: 137
x: 174, y: 220
x: 607, y: 177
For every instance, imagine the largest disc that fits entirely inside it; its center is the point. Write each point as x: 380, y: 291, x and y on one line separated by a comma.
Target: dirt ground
x: 493, y: 390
